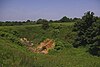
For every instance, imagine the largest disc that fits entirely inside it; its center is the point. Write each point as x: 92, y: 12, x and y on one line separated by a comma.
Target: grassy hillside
x: 13, y: 53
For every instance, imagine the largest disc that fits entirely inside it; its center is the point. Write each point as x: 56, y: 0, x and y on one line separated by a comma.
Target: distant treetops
x: 39, y: 21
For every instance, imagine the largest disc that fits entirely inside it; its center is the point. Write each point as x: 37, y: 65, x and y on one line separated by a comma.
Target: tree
x: 64, y: 19
x: 76, y: 19
x: 45, y: 24
x: 83, y: 28
x: 95, y: 47
x: 51, y: 21
x: 28, y: 21
x: 41, y: 21
x: 88, y: 33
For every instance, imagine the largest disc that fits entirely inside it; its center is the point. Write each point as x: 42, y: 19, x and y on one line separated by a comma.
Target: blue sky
x: 12, y: 10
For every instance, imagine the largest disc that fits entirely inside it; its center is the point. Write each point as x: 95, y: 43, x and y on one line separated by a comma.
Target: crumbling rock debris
x: 26, y: 42
x: 45, y: 46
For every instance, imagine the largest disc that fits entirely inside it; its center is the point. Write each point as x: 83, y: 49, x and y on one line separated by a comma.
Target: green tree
x: 65, y: 19
x: 83, y: 28
x: 51, y: 21
x: 28, y: 21
x: 41, y: 21
x: 76, y: 19
x: 95, y: 46
x: 88, y: 33
x: 45, y: 24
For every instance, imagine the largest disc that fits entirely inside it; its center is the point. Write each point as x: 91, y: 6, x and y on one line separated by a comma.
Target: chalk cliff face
x: 26, y: 42
x: 45, y: 46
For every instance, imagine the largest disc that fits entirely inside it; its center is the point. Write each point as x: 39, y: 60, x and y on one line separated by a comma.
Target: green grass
x: 13, y: 54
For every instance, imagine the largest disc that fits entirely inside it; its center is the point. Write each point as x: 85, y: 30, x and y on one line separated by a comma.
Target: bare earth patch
x: 43, y: 47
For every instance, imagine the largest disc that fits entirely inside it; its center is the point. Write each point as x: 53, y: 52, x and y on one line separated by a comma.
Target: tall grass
x: 12, y: 54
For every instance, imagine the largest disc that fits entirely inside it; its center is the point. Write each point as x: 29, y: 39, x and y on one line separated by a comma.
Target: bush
x: 55, y: 33
x: 95, y: 50
x: 9, y: 36
x: 45, y: 25
x: 88, y: 33
x: 59, y: 45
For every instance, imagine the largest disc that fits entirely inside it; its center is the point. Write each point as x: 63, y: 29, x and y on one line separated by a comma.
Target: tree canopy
x: 88, y: 33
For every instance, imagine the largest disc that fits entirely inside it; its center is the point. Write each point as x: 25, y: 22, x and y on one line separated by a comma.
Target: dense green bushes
x: 12, y: 55
x: 88, y: 33
x: 45, y: 25
x: 63, y: 55
x: 10, y: 37
x: 95, y: 47
x: 59, y: 44
x: 55, y: 33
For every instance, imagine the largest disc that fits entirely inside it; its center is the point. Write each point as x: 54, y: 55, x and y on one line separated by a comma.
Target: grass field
x: 12, y: 54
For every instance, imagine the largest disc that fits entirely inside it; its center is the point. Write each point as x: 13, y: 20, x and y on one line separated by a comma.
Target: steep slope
x: 12, y: 53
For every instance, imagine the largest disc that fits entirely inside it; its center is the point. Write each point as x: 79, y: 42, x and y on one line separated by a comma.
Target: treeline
x: 14, y: 23
x: 39, y: 21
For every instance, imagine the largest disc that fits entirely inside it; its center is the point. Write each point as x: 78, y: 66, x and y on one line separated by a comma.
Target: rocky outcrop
x: 45, y: 46
x: 26, y: 42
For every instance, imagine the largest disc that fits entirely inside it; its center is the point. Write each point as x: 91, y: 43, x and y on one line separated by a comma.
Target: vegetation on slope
x: 88, y: 33
x: 12, y: 53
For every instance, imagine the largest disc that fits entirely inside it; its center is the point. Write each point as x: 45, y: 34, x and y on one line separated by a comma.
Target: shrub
x: 10, y: 37
x: 88, y: 33
x: 59, y: 45
x: 45, y: 25
x: 55, y: 33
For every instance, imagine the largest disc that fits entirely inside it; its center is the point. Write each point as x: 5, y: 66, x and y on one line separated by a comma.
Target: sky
x: 21, y: 10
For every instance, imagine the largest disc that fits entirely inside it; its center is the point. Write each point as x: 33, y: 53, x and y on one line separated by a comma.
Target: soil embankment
x: 43, y: 47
